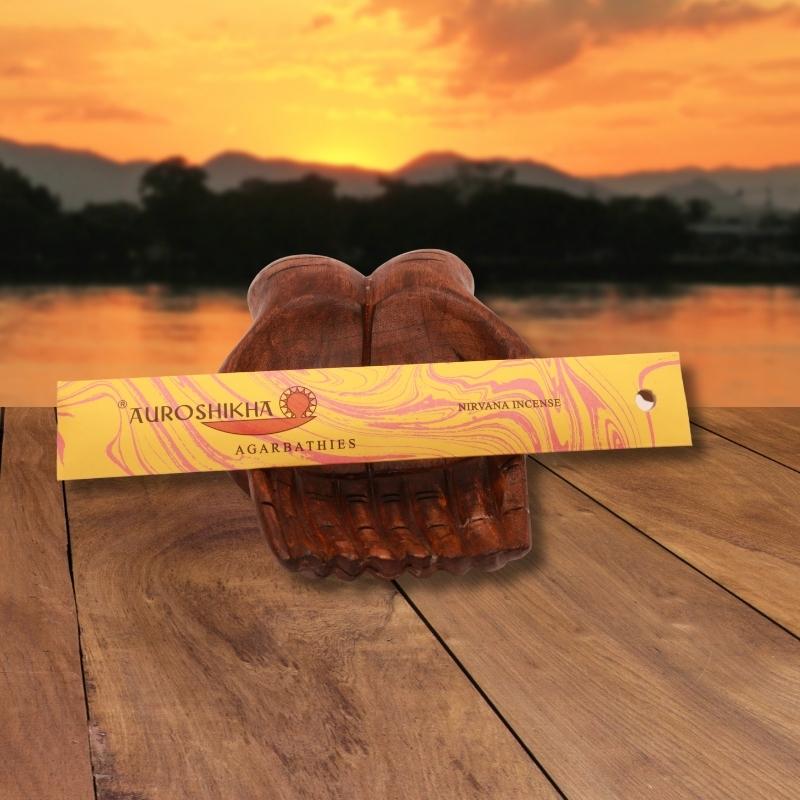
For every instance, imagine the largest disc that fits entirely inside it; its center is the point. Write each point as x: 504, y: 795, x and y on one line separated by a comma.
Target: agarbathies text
x: 309, y: 445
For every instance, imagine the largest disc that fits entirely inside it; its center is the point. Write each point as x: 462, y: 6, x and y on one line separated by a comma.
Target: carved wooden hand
x: 420, y: 516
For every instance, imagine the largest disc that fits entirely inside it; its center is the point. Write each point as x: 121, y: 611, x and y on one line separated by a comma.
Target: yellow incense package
x: 342, y: 415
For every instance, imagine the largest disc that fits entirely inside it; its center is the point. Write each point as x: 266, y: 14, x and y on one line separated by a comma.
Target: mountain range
x: 81, y: 176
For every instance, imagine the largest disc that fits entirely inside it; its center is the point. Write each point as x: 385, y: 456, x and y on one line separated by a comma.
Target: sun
x: 345, y: 155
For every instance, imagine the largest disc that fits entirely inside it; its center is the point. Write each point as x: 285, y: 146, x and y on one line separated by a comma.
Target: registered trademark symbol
x: 123, y: 404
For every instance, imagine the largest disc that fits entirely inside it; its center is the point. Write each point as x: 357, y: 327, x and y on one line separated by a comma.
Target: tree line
x: 182, y: 232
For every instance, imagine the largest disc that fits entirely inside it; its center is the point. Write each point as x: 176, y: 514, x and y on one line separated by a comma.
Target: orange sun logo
x: 297, y: 401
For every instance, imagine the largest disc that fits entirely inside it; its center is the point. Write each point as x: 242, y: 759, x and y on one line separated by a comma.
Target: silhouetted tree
x: 107, y: 240
x: 697, y: 210
x: 29, y: 222
x: 794, y: 232
x: 645, y: 231
x: 178, y: 217
x: 404, y: 217
x: 184, y: 233
x: 261, y: 221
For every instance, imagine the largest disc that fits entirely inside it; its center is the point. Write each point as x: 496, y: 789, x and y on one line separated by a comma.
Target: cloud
x: 320, y: 21
x: 56, y: 107
x: 508, y: 42
x: 31, y: 52
x: 595, y: 89
x: 60, y: 74
x: 99, y: 111
x: 772, y: 119
x: 703, y: 16
x: 780, y: 65
x: 15, y: 70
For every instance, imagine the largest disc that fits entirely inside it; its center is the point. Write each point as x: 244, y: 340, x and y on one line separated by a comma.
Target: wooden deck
x: 646, y: 648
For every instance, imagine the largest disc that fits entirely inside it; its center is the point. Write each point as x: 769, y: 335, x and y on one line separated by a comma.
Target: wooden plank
x: 773, y: 432
x: 217, y: 673
x: 44, y: 750
x: 628, y: 673
x: 733, y: 514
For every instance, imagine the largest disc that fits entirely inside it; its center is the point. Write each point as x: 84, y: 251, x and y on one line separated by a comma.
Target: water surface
x: 739, y: 345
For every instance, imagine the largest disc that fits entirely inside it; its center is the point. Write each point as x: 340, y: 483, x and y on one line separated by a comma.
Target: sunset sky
x: 590, y: 86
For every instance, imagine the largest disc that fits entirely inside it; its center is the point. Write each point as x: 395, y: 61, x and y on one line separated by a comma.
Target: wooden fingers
x: 452, y: 514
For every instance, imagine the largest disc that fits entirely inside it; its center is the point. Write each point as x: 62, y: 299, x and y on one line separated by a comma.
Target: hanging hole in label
x: 645, y: 399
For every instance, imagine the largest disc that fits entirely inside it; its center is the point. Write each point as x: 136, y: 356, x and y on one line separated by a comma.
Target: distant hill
x: 434, y: 167
x: 779, y: 186
x: 76, y: 176
x: 724, y: 203
x: 228, y: 170
x: 80, y: 176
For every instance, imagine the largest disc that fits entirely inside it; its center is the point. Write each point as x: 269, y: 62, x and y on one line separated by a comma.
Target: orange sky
x: 587, y: 85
